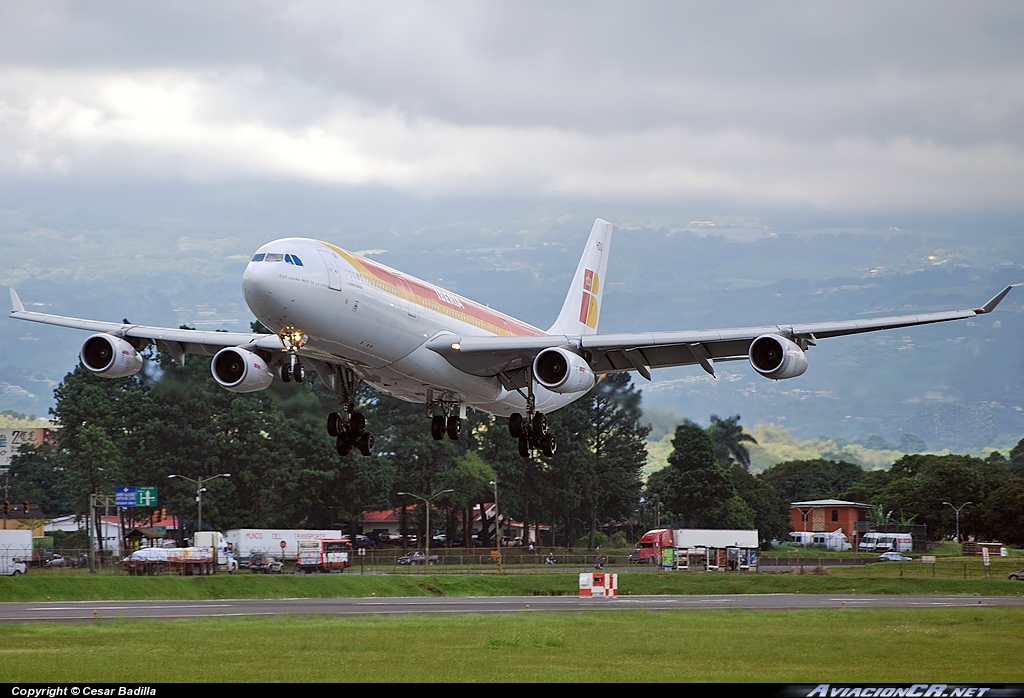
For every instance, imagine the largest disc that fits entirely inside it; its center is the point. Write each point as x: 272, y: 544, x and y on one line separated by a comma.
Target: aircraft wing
x: 641, y: 352
x: 177, y: 342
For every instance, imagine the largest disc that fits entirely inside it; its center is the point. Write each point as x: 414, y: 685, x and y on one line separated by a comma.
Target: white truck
x: 269, y: 541
x: 215, y: 540
x: 15, y: 551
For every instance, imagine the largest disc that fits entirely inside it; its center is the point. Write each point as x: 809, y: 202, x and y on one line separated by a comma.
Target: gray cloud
x: 833, y: 105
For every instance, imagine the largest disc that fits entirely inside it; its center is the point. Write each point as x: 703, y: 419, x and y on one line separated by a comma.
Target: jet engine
x: 562, y: 371
x: 240, y: 370
x: 776, y: 357
x: 110, y: 356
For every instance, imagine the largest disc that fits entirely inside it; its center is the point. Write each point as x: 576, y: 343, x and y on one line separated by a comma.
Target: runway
x: 87, y: 611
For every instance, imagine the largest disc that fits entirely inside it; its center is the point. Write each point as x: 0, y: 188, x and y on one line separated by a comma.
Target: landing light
x: 456, y: 346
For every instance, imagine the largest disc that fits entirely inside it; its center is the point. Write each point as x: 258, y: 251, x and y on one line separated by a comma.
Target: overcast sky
x: 862, y: 106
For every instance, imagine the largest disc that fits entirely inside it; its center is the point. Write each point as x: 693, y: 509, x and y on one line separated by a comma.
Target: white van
x: 880, y: 542
x: 12, y: 566
x: 833, y: 540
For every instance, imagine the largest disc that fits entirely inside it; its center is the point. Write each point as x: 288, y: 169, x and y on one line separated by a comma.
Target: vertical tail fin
x: 583, y: 303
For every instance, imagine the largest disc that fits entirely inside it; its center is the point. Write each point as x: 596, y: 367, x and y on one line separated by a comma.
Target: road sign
x: 124, y: 497
x: 135, y: 497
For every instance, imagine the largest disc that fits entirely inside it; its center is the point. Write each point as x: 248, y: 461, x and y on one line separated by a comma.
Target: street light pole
x: 199, y: 491
x: 426, y: 501
x: 957, y: 510
x: 497, y: 522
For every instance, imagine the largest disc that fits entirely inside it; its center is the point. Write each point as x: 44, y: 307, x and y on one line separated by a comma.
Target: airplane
x: 352, y: 319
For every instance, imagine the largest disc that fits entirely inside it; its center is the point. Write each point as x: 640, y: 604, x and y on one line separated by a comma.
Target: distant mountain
x: 957, y: 385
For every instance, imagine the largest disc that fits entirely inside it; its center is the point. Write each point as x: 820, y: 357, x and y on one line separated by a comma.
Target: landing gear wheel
x: 335, y: 424
x: 286, y: 374
x: 437, y: 427
x: 298, y: 372
x: 366, y: 443
x: 524, y: 446
x: 357, y: 423
x: 454, y: 427
x: 515, y: 425
x: 540, y: 424
x: 549, y: 444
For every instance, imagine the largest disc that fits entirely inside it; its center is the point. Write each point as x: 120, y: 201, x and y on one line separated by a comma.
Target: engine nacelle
x: 563, y: 371
x: 110, y: 356
x: 240, y: 370
x: 776, y: 357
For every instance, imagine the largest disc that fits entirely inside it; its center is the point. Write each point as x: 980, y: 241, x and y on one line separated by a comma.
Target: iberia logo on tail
x: 588, y: 310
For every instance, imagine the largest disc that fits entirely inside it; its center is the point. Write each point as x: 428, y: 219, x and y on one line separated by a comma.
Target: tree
x: 806, y: 480
x: 696, y: 489
x: 919, y: 484
x: 728, y: 438
x: 771, y: 512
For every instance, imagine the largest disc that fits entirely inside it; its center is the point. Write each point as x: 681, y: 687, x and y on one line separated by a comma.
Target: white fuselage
x: 377, y: 320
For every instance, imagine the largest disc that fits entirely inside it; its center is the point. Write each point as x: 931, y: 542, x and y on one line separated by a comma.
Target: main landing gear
x: 448, y: 422
x: 532, y: 434
x: 350, y: 432
x: 348, y: 428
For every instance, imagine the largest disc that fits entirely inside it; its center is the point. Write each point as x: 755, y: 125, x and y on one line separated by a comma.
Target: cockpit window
x: 258, y: 257
x: 296, y: 261
x: 271, y: 257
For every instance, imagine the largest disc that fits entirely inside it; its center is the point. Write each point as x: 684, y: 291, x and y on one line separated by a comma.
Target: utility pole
x: 426, y: 501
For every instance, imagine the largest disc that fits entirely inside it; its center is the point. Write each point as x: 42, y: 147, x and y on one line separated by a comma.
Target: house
x: 827, y: 515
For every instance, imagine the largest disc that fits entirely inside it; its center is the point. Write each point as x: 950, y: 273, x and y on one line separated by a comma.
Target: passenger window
x: 258, y: 257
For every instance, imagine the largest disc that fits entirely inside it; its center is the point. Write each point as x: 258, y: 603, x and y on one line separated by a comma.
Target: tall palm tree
x: 728, y: 437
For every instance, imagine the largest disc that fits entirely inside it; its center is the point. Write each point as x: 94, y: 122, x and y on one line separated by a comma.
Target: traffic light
x: 24, y: 507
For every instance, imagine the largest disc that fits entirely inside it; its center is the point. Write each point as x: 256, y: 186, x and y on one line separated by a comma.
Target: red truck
x: 648, y: 550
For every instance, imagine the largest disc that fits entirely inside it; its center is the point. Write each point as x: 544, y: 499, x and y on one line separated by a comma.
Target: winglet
x: 987, y: 308
x: 16, y: 304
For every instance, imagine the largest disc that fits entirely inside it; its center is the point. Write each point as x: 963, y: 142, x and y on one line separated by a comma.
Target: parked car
x: 362, y: 541
x: 416, y: 557
x: 260, y: 562
x: 893, y: 556
x: 57, y: 561
x: 1017, y: 576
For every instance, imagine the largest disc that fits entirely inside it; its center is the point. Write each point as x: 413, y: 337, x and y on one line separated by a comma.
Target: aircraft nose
x: 257, y: 281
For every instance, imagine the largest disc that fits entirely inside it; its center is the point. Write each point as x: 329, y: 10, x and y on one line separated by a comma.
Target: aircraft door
x: 333, y: 272
x: 410, y: 305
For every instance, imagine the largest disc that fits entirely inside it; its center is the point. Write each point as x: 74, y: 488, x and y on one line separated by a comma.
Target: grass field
x: 847, y: 645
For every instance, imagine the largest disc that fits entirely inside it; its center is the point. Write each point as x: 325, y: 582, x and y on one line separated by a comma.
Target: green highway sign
x: 135, y: 497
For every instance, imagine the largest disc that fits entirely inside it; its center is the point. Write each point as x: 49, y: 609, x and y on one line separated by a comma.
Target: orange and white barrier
x: 599, y: 584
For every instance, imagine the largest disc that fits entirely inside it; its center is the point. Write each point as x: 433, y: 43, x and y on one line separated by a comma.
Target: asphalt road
x: 85, y: 611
